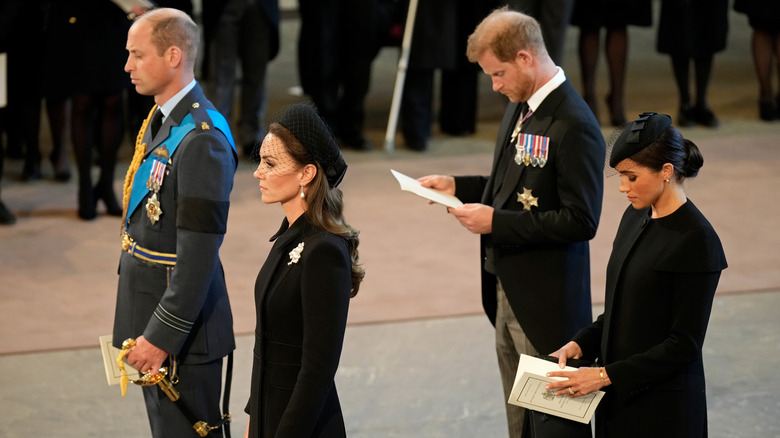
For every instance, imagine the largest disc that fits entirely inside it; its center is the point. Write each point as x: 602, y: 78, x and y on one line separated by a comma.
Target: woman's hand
x: 581, y: 382
x: 571, y: 350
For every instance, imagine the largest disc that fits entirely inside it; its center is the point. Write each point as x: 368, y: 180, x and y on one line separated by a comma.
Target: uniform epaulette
x: 201, y: 117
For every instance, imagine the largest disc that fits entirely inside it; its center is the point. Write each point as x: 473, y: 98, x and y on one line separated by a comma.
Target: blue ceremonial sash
x: 172, y: 142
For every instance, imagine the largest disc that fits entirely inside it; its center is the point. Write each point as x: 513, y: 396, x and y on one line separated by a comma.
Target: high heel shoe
x: 617, y: 116
x: 766, y: 110
x: 704, y: 116
x: 87, y: 204
x: 105, y: 193
x: 685, y: 116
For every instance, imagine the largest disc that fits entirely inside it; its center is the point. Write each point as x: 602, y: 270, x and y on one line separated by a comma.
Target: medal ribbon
x: 177, y: 133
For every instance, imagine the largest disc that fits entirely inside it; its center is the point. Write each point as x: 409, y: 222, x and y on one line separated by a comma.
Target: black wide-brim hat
x: 637, y: 135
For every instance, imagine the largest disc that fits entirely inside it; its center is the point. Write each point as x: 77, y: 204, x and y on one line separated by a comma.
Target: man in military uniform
x: 172, y: 297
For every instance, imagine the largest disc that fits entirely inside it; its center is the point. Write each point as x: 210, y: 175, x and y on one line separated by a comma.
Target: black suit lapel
x: 495, y: 183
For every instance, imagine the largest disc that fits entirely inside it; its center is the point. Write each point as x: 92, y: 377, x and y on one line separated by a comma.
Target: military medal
x: 527, y: 199
x: 532, y: 150
x: 156, y: 175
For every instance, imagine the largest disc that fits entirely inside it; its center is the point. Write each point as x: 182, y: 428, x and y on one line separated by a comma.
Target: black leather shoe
x: 6, y: 217
x: 106, y: 194
x: 359, y: 144
x: 685, y: 116
x: 704, y: 116
x: 767, y: 110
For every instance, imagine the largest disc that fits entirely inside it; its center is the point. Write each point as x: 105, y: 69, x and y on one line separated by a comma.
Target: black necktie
x: 156, y: 122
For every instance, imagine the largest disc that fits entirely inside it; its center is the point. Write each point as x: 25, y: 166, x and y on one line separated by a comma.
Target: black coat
x: 301, y: 318
x: 693, y: 28
x: 661, y: 279
x: 542, y: 255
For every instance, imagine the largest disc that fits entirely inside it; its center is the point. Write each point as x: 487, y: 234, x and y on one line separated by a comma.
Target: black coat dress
x: 661, y: 280
x: 693, y: 28
x: 302, y: 308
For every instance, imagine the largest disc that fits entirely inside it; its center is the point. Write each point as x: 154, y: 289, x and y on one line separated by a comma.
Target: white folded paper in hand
x: 528, y: 392
x: 412, y: 185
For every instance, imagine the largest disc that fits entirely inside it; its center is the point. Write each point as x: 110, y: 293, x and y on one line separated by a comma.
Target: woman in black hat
x: 661, y: 278
x: 303, y: 290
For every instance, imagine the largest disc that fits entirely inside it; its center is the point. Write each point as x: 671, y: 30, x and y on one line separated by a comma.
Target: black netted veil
x: 303, y: 121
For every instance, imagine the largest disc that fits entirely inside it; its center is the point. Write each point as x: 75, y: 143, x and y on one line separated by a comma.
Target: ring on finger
x: 571, y: 391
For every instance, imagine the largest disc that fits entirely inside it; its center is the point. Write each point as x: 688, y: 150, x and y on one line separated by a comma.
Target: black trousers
x: 200, y: 387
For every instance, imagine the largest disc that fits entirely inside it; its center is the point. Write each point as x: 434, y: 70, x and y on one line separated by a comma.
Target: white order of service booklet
x: 528, y: 392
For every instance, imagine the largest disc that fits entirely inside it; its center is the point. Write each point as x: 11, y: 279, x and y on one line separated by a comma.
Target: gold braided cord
x: 138, y: 155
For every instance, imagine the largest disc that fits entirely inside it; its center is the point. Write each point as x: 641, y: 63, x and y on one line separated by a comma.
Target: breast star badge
x: 527, y: 199
x: 153, y: 209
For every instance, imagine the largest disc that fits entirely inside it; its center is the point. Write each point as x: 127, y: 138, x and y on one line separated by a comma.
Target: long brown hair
x: 325, y: 205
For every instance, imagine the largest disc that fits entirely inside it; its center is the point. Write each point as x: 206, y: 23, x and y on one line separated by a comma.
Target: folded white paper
x: 528, y: 392
x: 412, y: 185
x: 110, y: 353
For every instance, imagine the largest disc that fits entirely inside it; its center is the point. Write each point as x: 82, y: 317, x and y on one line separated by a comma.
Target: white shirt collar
x: 168, y: 106
x: 537, y: 98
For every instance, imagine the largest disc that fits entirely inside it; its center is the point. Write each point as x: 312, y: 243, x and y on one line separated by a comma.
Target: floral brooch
x: 295, y: 254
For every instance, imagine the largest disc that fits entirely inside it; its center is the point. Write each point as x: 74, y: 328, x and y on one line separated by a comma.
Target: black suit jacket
x: 189, y: 314
x: 541, y: 256
x: 661, y: 280
x: 301, y: 318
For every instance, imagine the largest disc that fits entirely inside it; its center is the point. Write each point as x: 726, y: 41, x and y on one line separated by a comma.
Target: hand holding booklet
x: 412, y: 185
x: 528, y: 392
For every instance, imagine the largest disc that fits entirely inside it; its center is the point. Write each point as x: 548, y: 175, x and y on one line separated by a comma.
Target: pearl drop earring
x: 303, y: 196
x: 667, y: 180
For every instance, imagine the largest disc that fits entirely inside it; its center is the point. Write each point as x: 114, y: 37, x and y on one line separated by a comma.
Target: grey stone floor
x: 425, y: 378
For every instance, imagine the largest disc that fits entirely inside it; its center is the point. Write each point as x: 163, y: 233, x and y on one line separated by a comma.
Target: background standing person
x: 553, y: 17
x: 661, y: 279
x: 176, y: 205
x: 247, y: 34
x: 615, y: 16
x: 764, y: 19
x: 441, y: 29
x: 693, y: 31
x: 303, y: 289
x: 337, y: 44
x: 539, y: 207
x: 97, y: 30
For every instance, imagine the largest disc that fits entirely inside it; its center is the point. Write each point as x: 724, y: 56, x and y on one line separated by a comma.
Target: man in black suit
x: 172, y: 298
x: 541, y: 203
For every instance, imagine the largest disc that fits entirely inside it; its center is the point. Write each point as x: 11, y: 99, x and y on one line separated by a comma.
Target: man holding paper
x: 540, y: 204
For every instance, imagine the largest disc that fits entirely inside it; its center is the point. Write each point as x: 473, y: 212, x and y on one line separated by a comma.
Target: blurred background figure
x: 247, y: 34
x: 35, y: 69
x: 764, y: 19
x: 553, y: 16
x: 92, y: 34
x: 693, y: 31
x: 439, y: 37
x: 337, y: 44
x: 614, y: 16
